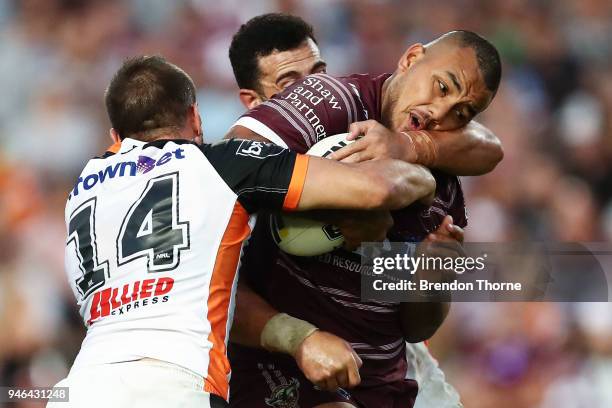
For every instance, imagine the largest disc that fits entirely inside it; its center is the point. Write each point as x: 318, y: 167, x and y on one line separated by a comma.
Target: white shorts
x: 143, y: 383
x: 434, y: 391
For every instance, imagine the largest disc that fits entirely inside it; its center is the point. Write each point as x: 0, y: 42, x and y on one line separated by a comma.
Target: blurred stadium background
x: 552, y: 112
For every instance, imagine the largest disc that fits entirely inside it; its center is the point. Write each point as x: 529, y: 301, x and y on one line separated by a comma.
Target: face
x: 435, y: 88
x: 280, y: 69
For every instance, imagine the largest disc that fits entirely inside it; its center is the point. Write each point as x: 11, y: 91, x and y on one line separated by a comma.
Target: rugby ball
x: 301, y: 236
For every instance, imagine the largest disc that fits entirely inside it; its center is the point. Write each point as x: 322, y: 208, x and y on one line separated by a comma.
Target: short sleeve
x: 309, y: 110
x: 263, y: 175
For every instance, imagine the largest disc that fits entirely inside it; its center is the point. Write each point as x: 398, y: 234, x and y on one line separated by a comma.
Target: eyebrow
x: 319, y: 64
x: 455, y: 80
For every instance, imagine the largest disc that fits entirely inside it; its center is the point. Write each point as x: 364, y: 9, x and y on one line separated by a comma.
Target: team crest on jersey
x: 256, y: 150
x: 252, y: 149
x: 285, y: 395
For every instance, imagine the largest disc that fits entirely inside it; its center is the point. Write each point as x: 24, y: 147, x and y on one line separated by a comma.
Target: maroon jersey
x: 325, y: 290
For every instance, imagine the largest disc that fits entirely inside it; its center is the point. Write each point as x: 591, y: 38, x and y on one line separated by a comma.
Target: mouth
x: 417, y: 120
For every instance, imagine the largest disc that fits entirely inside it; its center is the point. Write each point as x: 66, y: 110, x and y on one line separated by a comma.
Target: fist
x: 328, y: 361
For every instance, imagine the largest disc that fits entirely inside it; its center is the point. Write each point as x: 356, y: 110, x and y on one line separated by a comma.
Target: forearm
x: 421, y: 320
x: 250, y: 316
x: 257, y: 324
x: 470, y: 151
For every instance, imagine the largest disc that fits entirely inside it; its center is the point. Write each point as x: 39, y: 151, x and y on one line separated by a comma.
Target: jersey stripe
x: 261, y: 129
x: 224, y: 272
x: 289, y: 119
x: 296, y: 185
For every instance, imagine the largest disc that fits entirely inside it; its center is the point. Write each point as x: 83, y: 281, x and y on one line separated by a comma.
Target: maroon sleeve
x: 307, y: 111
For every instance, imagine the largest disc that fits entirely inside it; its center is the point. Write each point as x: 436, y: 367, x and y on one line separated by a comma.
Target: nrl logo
x: 285, y: 395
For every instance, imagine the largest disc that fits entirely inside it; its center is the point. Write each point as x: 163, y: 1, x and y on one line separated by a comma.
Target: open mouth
x: 417, y: 121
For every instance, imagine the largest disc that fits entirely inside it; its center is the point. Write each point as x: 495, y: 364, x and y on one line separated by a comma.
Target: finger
x: 331, y: 384
x: 457, y: 233
x: 353, y: 376
x: 353, y: 158
x: 358, y: 157
x: 443, y: 229
x: 358, y: 360
x: 348, y: 150
x: 447, y: 222
x: 357, y: 129
x: 342, y: 378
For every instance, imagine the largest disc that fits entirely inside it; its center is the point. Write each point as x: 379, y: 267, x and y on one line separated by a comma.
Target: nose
x: 439, y: 112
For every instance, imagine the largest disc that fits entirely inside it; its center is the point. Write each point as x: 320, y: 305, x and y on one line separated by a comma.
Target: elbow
x: 421, y: 334
x: 494, y: 154
x: 420, y: 321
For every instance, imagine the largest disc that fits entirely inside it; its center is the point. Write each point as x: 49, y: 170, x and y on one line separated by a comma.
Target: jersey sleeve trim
x: 261, y: 129
x: 296, y: 185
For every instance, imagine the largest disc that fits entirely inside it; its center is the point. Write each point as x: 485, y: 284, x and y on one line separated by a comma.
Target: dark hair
x: 259, y: 37
x: 487, y: 56
x: 148, y: 93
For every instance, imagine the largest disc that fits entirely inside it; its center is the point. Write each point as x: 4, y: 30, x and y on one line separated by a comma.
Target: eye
x: 443, y: 88
x: 460, y: 115
x: 285, y: 83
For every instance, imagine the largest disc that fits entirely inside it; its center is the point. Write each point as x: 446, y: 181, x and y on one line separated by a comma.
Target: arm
x: 420, y: 320
x: 470, y: 151
x: 325, y: 359
x: 373, y: 185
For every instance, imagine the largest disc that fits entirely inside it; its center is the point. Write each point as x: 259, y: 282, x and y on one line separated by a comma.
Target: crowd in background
x: 552, y: 113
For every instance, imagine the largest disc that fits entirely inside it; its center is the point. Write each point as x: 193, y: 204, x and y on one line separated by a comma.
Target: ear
x: 195, y: 121
x: 249, y: 98
x: 412, y: 54
x: 114, y: 136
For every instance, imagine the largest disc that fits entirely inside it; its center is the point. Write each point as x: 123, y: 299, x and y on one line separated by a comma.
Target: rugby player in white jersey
x: 155, y: 231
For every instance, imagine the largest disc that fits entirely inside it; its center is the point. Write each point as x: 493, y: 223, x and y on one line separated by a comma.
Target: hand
x: 447, y: 232
x: 367, y: 226
x: 328, y: 361
x: 378, y: 142
x: 444, y: 242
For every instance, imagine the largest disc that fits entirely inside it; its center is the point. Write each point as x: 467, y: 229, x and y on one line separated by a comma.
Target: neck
x: 161, y: 133
x: 385, y: 101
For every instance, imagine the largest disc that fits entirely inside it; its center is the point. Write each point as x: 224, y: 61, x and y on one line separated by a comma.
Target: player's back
x: 154, y: 236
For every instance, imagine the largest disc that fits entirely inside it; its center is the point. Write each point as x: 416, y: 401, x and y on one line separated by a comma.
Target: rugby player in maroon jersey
x: 320, y: 106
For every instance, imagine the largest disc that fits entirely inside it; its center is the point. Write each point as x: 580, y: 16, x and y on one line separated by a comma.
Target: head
x: 270, y: 52
x: 442, y: 85
x: 150, y: 98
